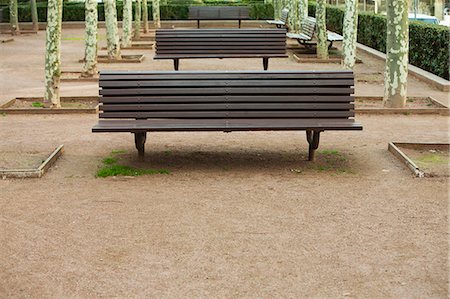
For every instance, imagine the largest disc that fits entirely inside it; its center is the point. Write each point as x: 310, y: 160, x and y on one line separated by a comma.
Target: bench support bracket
x: 176, y: 64
x: 139, y: 140
x: 265, y: 63
x: 313, y: 138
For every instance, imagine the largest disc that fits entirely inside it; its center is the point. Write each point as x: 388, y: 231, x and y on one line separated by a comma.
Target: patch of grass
x: 116, y: 170
x: 331, y: 152
x: 432, y: 159
x: 37, y: 105
x: 110, y: 160
x: 117, y: 152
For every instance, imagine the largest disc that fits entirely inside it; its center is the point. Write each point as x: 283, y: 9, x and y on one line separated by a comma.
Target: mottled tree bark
x: 377, y: 5
x: 302, y: 12
x: 439, y: 9
x: 137, y: 19
x: 322, y: 47
x: 53, y: 53
x: 156, y: 14
x: 14, y: 17
x: 90, y: 39
x: 127, y: 23
x: 350, y: 28
x: 112, y: 34
x: 397, y: 43
x: 145, y: 15
x: 34, y: 15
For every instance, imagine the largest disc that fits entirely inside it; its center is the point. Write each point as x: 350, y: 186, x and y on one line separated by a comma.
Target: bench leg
x: 313, y: 140
x: 239, y: 23
x: 330, y: 45
x: 139, y: 141
x: 176, y: 64
x: 265, y: 63
x: 198, y: 23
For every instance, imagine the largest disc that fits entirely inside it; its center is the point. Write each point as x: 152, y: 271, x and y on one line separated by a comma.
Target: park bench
x: 179, y: 44
x: 282, y: 22
x: 313, y: 101
x: 218, y: 13
x: 305, y: 38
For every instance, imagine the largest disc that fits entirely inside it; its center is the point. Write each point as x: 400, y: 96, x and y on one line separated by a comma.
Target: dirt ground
x: 239, y: 215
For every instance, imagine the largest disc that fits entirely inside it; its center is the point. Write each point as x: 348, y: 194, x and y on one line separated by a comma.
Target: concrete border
x: 34, y: 172
x: 439, y: 108
x: 5, y: 107
x: 65, y: 78
x: 393, y: 147
x: 138, y: 45
x: 126, y: 58
x: 427, y: 77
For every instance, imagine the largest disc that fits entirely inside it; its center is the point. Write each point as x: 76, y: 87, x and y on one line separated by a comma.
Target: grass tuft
x: 37, y: 105
x: 116, y: 170
x: 116, y: 152
x: 110, y: 160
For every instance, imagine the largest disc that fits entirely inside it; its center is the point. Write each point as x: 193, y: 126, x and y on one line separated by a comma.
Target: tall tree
x: 145, y: 15
x: 350, y: 33
x: 439, y: 9
x: 322, y: 47
x: 34, y: 15
x: 302, y: 12
x: 397, y: 46
x: 14, y: 17
x: 276, y: 9
x: 53, y: 53
x: 112, y: 34
x: 90, y: 39
x: 127, y: 23
x: 156, y: 14
x: 137, y: 19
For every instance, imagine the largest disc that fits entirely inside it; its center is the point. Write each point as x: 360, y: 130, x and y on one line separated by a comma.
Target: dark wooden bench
x: 282, y: 22
x: 313, y: 101
x: 179, y: 44
x: 199, y: 13
x: 305, y: 38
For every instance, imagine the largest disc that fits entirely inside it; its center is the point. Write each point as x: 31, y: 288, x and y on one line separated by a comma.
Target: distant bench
x: 313, y: 101
x: 218, y: 13
x: 179, y: 44
x: 282, y: 22
x: 309, y: 30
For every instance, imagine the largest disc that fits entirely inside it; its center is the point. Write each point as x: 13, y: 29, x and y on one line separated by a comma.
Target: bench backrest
x: 309, y: 26
x: 219, y: 13
x: 219, y: 42
x: 268, y: 94
x: 284, y: 15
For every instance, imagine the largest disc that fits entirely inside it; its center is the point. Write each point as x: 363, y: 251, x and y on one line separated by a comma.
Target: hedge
x: 173, y: 11
x: 428, y: 43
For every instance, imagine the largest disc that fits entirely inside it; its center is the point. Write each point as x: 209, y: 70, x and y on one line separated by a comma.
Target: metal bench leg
x: 313, y: 140
x: 330, y: 45
x: 239, y: 23
x: 139, y: 141
x: 176, y: 64
x: 265, y: 63
x: 198, y: 23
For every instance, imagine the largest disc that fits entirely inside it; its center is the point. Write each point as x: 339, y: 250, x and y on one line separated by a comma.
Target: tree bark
x: 397, y: 43
x: 156, y: 13
x: 439, y: 9
x: 90, y: 39
x: 53, y: 53
x: 34, y: 15
x: 137, y: 19
x: 302, y: 12
x: 127, y: 23
x: 145, y: 15
x: 350, y: 28
x: 112, y: 34
x: 14, y: 17
x: 322, y: 47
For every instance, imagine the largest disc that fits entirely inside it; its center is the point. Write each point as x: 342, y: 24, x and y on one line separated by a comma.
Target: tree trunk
x: 294, y: 16
x: 439, y: 9
x: 90, y: 39
x: 34, y: 15
x: 14, y: 17
x: 127, y: 23
x: 112, y: 34
x: 397, y: 43
x: 156, y: 13
x: 276, y: 10
x: 302, y: 12
x: 322, y: 47
x: 350, y: 28
x: 145, y: 15
x: 137, y: 19
x: 53, y: 53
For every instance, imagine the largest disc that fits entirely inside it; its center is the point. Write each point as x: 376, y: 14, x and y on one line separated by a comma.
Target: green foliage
x: 116, y: 170
x: 428, y: 43
x: 261, y: 12
x: 37, y: 105
x: 110, y: 160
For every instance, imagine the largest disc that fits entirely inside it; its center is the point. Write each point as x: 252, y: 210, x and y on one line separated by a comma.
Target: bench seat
x: 313, y: 101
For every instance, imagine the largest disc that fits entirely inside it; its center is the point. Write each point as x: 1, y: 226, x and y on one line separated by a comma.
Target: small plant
x: 110, y: 160
x: 37, y: 105
x: 116, y: 152
x: 331, y: 152
x: 116, y: 170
